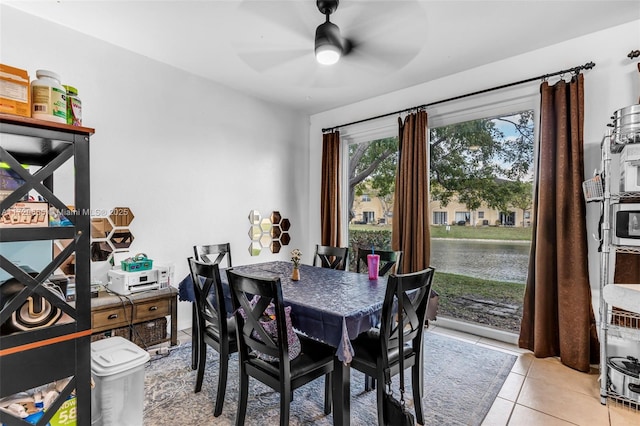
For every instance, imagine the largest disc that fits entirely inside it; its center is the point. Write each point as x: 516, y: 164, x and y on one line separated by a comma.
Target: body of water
x: 492, y: 260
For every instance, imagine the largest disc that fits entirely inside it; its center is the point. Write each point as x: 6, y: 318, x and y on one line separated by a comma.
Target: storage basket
x: 139, y: 262
x: 121, y: 332
x: 592, y: 189
x: 149, y: 333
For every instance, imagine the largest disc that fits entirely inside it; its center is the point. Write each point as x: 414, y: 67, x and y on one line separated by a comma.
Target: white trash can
x: 117, y: 367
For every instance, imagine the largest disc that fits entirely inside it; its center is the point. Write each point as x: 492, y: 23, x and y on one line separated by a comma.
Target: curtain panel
x: 330, y: 214
x: 411, y: 203
x: 558, y: 318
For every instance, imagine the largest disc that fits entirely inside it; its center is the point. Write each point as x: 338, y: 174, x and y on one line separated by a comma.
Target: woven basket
x: 149, y: 333
x: 121, y: 332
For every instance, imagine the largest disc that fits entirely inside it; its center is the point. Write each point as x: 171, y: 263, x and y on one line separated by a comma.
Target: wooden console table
x: 125, y: 315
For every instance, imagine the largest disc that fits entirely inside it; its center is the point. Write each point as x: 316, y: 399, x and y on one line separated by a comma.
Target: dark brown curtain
x: 627, y: 269
x: 330, y: 191
x: 558, y: 317
x: 411, y: 204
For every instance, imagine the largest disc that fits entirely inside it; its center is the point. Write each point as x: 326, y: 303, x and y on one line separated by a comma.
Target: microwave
x: 626, y: 224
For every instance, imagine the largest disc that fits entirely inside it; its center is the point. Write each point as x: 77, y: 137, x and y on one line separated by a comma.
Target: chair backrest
x: 388, y: 259
x: 213, y: 253
x: 206, y: 276
x: 414, y: 288
x: 331, y: 257
x: 251, y: 296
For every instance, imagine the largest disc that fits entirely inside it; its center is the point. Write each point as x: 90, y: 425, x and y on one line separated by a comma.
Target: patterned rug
x: 461, y: 382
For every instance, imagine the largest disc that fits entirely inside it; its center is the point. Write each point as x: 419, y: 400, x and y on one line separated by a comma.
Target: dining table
x: 328, y: 305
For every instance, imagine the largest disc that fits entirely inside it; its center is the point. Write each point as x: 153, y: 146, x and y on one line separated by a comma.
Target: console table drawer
x: 138, y: 316
x: 153, y: 309
x: 110, y: 318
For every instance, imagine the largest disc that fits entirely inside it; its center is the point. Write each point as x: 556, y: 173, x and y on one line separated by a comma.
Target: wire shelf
x: 624, y: 318
x: 620, y: 401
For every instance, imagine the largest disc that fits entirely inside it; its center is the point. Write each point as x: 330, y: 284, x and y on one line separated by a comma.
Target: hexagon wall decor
x: 270, y: 232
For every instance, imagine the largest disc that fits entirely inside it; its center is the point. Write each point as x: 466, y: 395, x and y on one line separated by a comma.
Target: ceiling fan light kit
x: 329, y: 43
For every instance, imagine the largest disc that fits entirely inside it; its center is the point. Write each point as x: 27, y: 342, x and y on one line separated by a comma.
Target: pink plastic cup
x: 373, y: 263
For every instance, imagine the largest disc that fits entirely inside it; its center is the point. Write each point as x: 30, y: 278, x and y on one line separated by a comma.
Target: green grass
x: 452, y: 285
x: 482, y: 232
x: 474, y: 300
x: 463, y: 232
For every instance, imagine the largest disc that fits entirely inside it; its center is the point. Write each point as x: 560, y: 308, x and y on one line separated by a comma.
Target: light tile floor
x: 540, y: 391
x: 544, y: 392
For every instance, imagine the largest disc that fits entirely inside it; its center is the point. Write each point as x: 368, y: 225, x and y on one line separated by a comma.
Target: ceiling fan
x: 362, y: 39
x: 329, y: 44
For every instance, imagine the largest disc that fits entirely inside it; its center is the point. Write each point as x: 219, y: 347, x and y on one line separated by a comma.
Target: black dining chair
x: 213, y: 253
x: 389, y: 260
x: 215, y: 327
x: 251, y: 296
x: 331, y: 257
x: 376, y: 351
x: 207, y: 253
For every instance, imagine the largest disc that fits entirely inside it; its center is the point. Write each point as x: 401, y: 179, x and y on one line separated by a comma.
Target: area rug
x: 461, y: 381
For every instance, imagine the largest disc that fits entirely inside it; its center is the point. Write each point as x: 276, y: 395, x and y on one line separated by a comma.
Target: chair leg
x: 328, y: 394
x: 369, y: 383
x: 194, y: 336
x: 243, y: 392
x: 285, y: 405
x: 418, y: 391
x: 202, y: 359
x: 379, y: 399
x: 222, y: 381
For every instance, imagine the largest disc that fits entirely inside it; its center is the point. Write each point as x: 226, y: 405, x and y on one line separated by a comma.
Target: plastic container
x: 74, y: 106
x: 117, y: 366
x: 373, y: 264
x: 48, y: 97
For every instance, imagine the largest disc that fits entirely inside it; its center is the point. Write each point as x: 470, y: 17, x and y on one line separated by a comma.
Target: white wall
x: 190, y: 157
x: 611, y: 85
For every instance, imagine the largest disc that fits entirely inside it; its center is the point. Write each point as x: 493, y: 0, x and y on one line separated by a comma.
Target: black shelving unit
x: 33, y: 358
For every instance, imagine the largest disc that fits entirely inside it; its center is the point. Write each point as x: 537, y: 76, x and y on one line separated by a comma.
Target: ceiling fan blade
x: 381, y: 59
x: 261, y: 60
x: 297, y: 17
x: 365, y: 18
x: 384, y: 39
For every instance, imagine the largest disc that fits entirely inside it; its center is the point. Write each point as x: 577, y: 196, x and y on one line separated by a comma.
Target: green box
x: 136, y: 265
x: 66, y: 415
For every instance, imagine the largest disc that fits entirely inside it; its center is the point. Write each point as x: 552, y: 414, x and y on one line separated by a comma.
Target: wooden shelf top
x: 43, y: 124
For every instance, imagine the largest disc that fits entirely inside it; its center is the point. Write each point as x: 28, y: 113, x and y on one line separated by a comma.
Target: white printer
x: 124, y: 283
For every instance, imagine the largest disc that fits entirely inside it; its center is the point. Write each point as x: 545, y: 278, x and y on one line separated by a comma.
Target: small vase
x: 295, y: 274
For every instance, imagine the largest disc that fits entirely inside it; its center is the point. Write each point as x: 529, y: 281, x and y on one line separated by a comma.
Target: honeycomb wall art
x: 270, y: 232
x: 110, y: 233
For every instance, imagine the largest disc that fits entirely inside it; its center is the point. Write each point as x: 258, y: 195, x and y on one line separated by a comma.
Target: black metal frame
x: 33, y: 358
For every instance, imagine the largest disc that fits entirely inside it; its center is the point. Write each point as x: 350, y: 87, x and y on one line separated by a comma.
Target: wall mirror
x: 100, y: 251
x: 254, y: 217
x: 121, y: 216
x: 111, y: 234
x: 101, y: 227
x: 270, y: 232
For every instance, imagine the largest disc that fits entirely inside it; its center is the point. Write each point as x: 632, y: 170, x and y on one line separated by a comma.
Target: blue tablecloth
x: 328, y: 305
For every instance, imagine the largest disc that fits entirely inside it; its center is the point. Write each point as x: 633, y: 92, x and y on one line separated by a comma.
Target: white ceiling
x: 265, y: 48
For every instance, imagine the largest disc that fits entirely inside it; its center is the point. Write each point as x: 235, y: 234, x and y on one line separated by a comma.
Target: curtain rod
x: 574, y: 70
